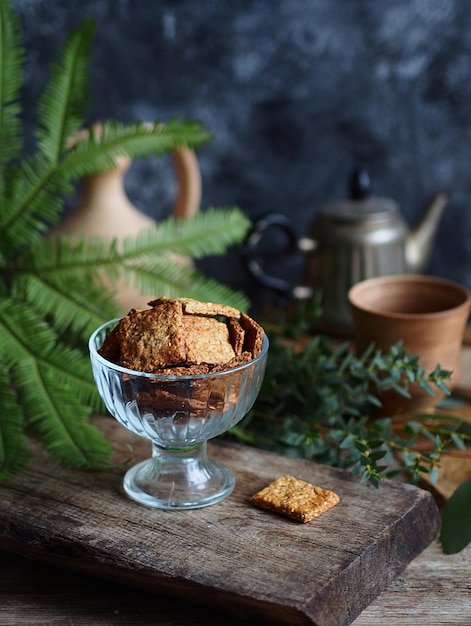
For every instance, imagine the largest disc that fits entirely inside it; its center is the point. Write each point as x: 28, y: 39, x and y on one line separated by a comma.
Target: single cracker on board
x: 295, y: 498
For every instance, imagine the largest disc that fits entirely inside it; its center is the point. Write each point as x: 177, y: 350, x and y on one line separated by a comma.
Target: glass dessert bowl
x: 179, y: 414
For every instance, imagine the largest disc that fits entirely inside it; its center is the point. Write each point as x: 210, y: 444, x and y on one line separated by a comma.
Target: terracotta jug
x: 105, y: 209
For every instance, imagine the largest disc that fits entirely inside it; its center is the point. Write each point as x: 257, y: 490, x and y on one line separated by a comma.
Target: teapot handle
x: 253, y: 260
x: 189, y: 183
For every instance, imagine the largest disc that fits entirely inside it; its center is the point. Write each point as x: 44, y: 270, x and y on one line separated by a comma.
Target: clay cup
x: 428, y: 314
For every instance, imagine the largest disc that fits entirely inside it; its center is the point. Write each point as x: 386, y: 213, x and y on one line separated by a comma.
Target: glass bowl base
x: 178, y: 486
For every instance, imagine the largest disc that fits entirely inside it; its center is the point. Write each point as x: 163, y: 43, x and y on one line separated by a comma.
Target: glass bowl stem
x: 178, y: 478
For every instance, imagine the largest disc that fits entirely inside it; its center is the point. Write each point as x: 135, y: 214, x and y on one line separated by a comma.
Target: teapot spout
x: 420, y: 240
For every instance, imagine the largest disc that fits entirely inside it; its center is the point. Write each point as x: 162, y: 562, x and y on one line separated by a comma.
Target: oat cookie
x: 237, y: 335
x: 195, y: 307
x: 152, y: 338
x: 111, y: 350
x: 295, y: 498
x: 206, y: 340
x: 253, y: 335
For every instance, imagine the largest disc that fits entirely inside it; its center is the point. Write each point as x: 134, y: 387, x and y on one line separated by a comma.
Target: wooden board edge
x: 424, y: 519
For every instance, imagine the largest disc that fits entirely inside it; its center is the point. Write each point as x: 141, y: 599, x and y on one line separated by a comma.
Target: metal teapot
x: 351, y: 239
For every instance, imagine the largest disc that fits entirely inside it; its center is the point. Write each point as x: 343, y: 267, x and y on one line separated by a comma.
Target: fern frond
x: 98, y: 150
x: 38, y: 200
x: 45, y: 274
x: 74, y: 310
x: 34, y: 202
x: 60, y: 419
x: 70, y: 257
x: 46, y: 377
x: 64, y: 103
x: 22, y: 333
x: 198, y: 236
x: 64, y: 282
x: 14, y: 450
x: 26, y: 338
x: 204, y: 234
x: 11, y: 74
x: 70, y: 369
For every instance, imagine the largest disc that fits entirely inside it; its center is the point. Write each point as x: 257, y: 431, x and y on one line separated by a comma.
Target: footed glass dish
x: 178, y: 414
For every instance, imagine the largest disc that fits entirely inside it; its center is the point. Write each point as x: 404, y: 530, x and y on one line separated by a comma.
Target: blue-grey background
x: 295, y: 93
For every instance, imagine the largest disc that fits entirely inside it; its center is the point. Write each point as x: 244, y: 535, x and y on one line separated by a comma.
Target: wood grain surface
x: 229, y: 557
x: 434, y: 590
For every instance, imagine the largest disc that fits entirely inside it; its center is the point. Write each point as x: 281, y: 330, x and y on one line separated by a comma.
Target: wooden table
x: 435, y: 589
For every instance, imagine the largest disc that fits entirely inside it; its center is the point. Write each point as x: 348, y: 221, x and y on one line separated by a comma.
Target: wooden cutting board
x: 230, y: 556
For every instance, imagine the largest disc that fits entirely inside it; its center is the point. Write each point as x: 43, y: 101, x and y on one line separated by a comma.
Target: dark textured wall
x: 295, y: 93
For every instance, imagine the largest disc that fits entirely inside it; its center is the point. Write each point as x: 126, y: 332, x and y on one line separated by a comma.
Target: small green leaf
x: 433, y: 475
x: 458, y: 441
x: 375, y: 443
x: 348, y: 441
x: 377, y: 456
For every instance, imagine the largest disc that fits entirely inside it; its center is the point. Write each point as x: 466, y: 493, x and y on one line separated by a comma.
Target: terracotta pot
x: 428, y: 314
x: 105, y: 209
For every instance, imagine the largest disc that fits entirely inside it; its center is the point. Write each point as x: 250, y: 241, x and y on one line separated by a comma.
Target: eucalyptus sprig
x: 318, y: 402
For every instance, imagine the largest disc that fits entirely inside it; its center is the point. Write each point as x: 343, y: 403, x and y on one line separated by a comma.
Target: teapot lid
x: 361, y: 205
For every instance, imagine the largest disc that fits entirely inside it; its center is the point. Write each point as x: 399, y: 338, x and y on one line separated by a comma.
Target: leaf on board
x: 456, y: 520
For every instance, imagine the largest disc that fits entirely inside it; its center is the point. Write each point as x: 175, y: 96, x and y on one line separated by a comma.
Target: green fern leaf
x: 201, y: 235
x: 11, y: 62
x: 98, y: 150
x: 64, y: 283
x: 146, y: 261
x: 38, y: 197
x: 60, y: 419
x: 64, y: 103
x: 14, y: 451
x: 49, y: 380
x: 71, y: 369
x: 70, y: 258
x: 28, y: 341
x: 77, y: 311
x: 22, y: 333
x: 34, y: 202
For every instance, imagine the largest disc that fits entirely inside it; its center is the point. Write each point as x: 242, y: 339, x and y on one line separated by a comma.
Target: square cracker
x: 253, y: 337
x: 195, y: 307
x: 153, y: 338
x: 206, y: 340
x: 237, y: 335
x: 295, y: 498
